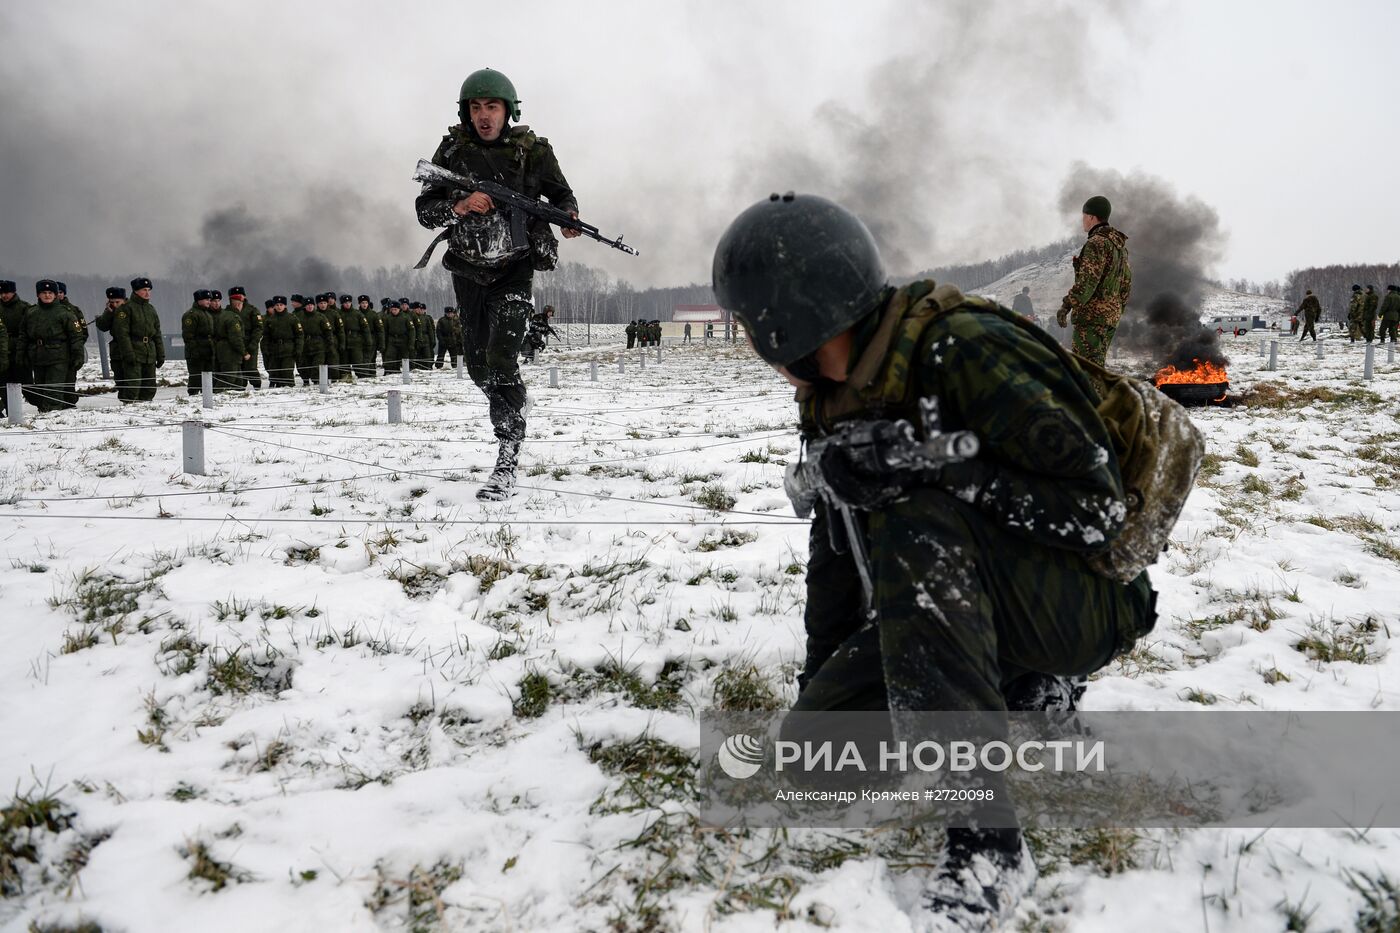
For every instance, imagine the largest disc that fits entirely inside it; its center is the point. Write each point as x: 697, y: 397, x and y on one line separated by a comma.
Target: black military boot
x: 501, y: 483
x: 983, y: 876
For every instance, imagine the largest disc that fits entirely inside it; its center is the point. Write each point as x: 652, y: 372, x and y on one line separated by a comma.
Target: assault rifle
x: 431, y: 174
x: 882, y: 459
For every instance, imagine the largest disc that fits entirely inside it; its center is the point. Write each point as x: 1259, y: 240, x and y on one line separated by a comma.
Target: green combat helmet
x: 488, y: 83
x: 797, y: 270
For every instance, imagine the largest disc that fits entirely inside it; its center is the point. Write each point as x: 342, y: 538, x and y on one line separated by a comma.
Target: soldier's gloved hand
x: 855, y: 487
x: 1062, y: 316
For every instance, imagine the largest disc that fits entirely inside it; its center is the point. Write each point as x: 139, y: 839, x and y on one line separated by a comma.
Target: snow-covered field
x: 323, y: 688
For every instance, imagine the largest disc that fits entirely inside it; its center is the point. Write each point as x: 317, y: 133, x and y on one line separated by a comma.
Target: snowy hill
x: 1049, y: 281
x: 324, y: 689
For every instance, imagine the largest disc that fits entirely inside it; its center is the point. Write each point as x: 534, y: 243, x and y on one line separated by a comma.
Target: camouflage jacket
x: 136, y: 336
x: 1310, y: 309
x: 1046, y: 470
x: 1358, y: 301
x: 1390, y: 308
x: 1369, y: 301
x: 1103, y: 278
x: 481, y: 245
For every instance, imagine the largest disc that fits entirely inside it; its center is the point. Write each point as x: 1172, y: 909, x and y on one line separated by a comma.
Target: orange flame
x: 1205, y: 373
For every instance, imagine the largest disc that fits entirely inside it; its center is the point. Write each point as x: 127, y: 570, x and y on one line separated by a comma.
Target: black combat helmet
x: 797, y: 270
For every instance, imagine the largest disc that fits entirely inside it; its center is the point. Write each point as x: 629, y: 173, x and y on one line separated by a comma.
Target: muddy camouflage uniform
x: 1311, y: 310
x: 494, y: 299
x: 138, y: 345
x: 981, y: 587
x: 1103, y: 279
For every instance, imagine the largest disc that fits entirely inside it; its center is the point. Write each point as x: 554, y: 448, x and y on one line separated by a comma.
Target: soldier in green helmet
x: 975, y: 593
x: 493, y: 253
x: 1103, y: 279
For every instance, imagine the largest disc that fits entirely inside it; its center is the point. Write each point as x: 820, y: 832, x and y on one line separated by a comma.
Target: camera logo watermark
x: 740, y: 756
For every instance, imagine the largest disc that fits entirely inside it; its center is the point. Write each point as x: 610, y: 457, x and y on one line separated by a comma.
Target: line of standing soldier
x: 1366, y: 310
x: 643, y: 334
x: 41, y: 345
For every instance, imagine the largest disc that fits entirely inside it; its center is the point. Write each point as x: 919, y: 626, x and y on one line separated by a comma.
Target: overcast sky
x: 952, y: 127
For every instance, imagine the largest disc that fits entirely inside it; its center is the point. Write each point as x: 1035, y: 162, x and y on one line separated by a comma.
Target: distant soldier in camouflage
x: 230, y: 350
x: 399, y: 338
x: 1369, y: 303
x: 449, y: 336
x: 1354, y: 313
x: 538, y: 336
x: 631, y: 331
x: 1103, y: 280
x: 252, y: 323
x: 1311, y: 310
x: 281, y: 344
x: 1390, y: 313
x: 980, y: 582
x: 12, y: 312
x: 138, y: 343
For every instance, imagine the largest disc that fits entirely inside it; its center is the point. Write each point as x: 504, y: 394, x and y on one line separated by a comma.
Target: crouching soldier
x: 982, y: 593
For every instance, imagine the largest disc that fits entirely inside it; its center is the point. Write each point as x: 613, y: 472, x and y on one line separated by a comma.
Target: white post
x: 642, y: 358
x: 1319, y: 349
x: 593, y: 371
x: 554, y: 377
x: 14, y: 402
x: 1390, y: 352
x: 1263, y: 349
x: 194, y: 448
x: 658, y: 353
x: 395, y: 407
x: 1273, y: 355
x: 407, y: 374
x: 206, y: 385
x: 1369, y: 372
x: 323, y: 378
x: 621, y: 363
x: 461, y: 368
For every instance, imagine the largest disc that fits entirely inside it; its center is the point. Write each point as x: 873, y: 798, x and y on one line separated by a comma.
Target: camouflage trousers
x: 494, y: 319
x: 1091, y: 341
x: 1389, y: 328
x: 965, y: 611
